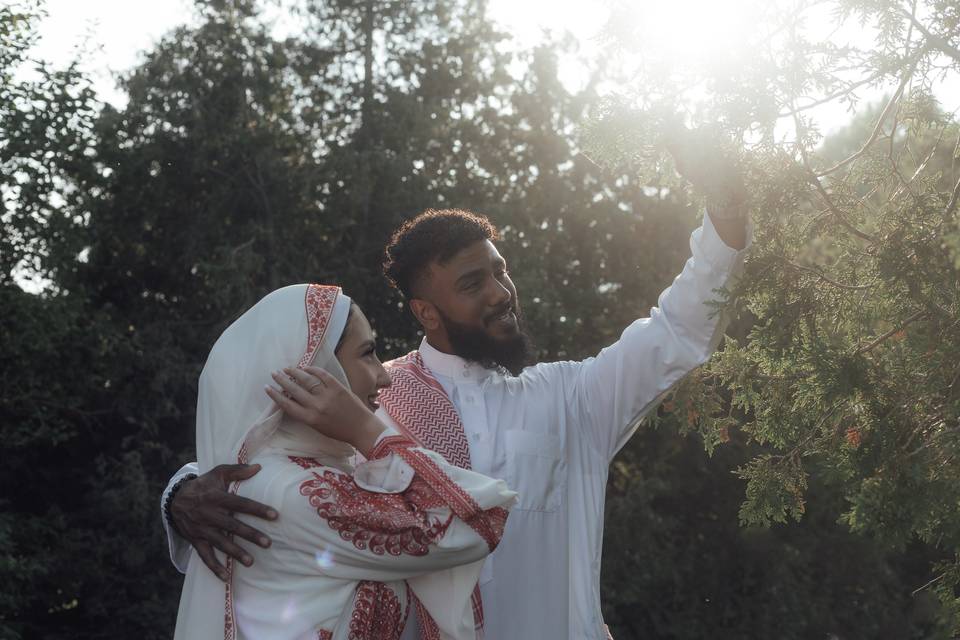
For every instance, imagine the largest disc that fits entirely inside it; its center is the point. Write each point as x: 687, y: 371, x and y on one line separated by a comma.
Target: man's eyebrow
x: 366, y: 344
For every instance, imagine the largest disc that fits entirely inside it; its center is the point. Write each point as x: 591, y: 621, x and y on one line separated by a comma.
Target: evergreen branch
x: 882, y: 338
x: 929, y: 584
x: 797, y: 449
x: 904, y: 184
x: 894, y: 100
x: 850, y: 88
x: 827, y: 279
x: 836, y: 211
x: 952, y: 205
x: 938, y: 42
x: 934, y: 438
x: 920, y: 168
x: 814, y: 179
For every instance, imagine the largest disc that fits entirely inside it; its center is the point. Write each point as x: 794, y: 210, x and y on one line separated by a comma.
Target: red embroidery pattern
x: 379, y: 522
x: 305, y: 463
x: 319, y: 301
x: 477, y: 603
x: 388, y: 445
x: 229, y: 618
x: 323, y: 634
x: 377, y: 614
x: 488, y: 524
x: 428, y: 628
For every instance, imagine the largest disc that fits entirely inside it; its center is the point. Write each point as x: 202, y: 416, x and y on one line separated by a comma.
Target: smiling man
x: 550, y: 429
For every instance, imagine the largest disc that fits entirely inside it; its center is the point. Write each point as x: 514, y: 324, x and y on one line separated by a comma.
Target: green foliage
x: 851, y: 294
x: 242, y: 163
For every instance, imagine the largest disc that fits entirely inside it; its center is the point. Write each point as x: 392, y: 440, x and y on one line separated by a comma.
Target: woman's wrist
x: 367, y: 434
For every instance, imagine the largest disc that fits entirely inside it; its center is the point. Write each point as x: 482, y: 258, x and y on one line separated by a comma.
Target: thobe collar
x: 451, y: 366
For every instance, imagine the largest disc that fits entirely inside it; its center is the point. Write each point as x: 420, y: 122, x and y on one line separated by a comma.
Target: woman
x: 351, y: 542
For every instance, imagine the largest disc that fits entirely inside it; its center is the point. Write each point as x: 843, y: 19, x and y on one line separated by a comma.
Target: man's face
x: 476, y: 305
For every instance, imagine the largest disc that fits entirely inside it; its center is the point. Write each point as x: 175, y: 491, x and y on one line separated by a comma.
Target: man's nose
x: 384, y: 380
x: 501, y: 295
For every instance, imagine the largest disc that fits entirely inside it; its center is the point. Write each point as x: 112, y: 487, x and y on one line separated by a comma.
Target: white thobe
x: 551, y: 433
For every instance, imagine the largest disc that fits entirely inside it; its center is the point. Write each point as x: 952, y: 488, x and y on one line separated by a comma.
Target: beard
x: 513, y: 353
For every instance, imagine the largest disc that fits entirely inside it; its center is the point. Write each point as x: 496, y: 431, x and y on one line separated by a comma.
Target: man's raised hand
x: 707, y: 158
x: 202, y: 512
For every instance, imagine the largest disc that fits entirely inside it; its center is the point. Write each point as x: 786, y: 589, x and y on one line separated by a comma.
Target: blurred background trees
x: 243, y: 161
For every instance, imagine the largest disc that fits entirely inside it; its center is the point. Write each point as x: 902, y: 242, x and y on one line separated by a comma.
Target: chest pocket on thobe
x: 536, y: 469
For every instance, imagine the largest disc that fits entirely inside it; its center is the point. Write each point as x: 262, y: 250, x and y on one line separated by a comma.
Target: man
x: 550, y: 431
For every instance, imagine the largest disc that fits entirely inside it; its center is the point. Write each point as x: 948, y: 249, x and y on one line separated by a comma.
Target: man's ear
x: 426, y: 314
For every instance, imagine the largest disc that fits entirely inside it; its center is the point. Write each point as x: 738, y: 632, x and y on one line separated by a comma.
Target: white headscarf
x: 299, y: 325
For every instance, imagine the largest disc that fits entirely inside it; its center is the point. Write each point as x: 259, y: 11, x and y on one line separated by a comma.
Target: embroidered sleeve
x: 444, y: 517
x: 435, y: 473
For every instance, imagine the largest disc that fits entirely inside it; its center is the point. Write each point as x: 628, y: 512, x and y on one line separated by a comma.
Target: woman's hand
x: 316, y: 398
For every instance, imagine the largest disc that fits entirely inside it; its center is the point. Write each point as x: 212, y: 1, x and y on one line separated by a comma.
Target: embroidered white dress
x: 347, y: 540
x: 551, y: 433
x: 349, y: 544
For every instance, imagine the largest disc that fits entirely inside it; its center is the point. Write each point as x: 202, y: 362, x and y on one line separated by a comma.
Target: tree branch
x: 952, y: 205
x: 825, y: 278
x: 941, y: 45
x: 883, y: 116
x: 882, y: 338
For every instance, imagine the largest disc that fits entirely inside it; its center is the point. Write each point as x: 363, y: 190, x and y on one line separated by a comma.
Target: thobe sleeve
x: 611, y: 392
x: 178, y: 546
x: 403, y: 513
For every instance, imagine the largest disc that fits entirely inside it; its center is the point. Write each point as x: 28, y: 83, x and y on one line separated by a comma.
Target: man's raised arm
x: 614, y: 390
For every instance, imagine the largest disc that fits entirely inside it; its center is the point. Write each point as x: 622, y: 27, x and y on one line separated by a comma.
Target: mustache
x: 499, y: 311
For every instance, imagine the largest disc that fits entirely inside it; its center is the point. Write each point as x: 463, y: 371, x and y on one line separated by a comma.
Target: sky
x: 111, y: 34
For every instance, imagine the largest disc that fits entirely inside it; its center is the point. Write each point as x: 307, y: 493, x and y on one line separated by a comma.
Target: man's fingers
x: 239, y: 504
x: 234, y: 526
x: 234, y: 472
x: 231, y: 548
x: 205, y: 551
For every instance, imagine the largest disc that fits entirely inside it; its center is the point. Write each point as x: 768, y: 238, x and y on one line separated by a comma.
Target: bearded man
x: 549, y: 429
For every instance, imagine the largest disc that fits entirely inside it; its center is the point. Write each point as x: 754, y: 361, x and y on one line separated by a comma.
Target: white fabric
x: 308, y: 580
x: 552, y: 432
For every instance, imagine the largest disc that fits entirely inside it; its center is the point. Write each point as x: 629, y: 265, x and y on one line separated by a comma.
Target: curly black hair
x: 434, y: 235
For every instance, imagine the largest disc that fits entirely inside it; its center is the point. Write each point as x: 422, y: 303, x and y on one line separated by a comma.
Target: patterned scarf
x: 421, y: 409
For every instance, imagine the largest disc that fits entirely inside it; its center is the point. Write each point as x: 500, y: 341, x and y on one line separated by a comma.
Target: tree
x: 849, y: 368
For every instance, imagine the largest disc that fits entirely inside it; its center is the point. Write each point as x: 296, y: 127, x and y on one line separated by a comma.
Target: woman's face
x: 357, y: 354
